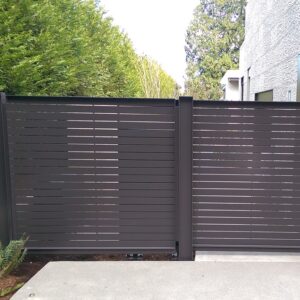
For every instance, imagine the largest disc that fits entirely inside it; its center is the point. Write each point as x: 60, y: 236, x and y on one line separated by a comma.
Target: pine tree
x: 213, y: 41
x: 64, y: 47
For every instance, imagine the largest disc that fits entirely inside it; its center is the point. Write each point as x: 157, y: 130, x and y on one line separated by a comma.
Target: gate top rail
x: 224, y: 103
x: 93, y: 100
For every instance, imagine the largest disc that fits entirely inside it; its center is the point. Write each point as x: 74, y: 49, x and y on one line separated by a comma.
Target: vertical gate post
x: 185, y: 159
x: 4, y: 211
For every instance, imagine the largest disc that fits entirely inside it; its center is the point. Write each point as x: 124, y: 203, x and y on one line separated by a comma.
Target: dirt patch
x: 25, y: 271
x: 34, y: 263
x: 8, y: 282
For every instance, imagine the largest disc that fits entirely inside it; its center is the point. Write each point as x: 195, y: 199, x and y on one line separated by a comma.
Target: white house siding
x: 271, y: 48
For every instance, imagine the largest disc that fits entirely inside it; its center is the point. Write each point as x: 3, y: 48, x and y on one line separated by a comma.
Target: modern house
x: 230, y: 85
x: 270, y: 54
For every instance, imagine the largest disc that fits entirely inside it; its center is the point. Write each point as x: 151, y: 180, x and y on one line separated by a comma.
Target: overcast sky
x: 157, y: 28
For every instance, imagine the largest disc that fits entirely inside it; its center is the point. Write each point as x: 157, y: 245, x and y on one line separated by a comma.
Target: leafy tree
x: 213, y: 41
x: 64, y: 47
x: 68, y: 47
x: 155, y: 82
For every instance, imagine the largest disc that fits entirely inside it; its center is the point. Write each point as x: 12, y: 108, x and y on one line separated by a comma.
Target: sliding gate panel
x: 90, y: 173
x: 246, y: 175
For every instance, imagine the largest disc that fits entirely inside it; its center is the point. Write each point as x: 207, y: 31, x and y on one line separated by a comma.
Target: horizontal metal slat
x: 69, y: 130
x: 250, y: 108
x: 246, y: 126
x: 34, y: 207
x: 239, y: 133
x: 143, y: 244
x: 55, y: 107
x: 249, y: 235
x: 198, y: 142
x: 68, y: 164
x: 66, y: 193
x: 245, y: 192
x: 201, y: 177
x: 259, y: 152
x: 88, y: 148
x: 146, y: 148
x: 198, y: 228
x: 125, y: 134
x: 112, y: 139
x: 55, y: 155
x: 249, y: 199
x: 141, y: 163
x: 246, y: 214
x: 285, y: 173
x: 95, y: 193
x: 96, y: 221
x: 32, y: 186
x: 251, y: 207
x: 249, y: 243
x: 29, y: 179
x: 98, y: 237
x: 145, y: 126
x: 89, y: 173
x: 145, y: 117
x: 92, y: 115
x: 79, y: 185
x: 93, y: 228
x: 145, y: 141
x: 254, y: 184
x: 254, y: 118
x: 230, y: 162
x: 40, y: 117
x: 92, y: 201
x: 99, y: 163
x: 149, y: 109
x: 97, y: 214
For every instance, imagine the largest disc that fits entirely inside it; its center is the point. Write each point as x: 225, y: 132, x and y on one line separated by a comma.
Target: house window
x: 266, y: 96
x: 289, y: 95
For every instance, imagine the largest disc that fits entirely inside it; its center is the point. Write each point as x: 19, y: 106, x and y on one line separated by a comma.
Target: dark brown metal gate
x: 90, y: 173
x: 128, y: 175
x: 246, y: 188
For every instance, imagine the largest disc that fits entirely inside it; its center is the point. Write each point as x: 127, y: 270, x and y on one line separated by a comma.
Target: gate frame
x: 6, y: 194
x: 185, y: 179
x: 6, y: 220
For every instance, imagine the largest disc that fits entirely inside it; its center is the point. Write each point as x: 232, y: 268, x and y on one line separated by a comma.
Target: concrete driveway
x: 207, y: 280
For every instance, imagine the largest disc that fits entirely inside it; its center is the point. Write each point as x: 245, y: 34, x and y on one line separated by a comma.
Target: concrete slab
x: 164, y: 281
x: 239, y: 256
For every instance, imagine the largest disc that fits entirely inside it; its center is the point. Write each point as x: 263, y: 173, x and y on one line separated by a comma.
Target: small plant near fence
x: 10, y: 258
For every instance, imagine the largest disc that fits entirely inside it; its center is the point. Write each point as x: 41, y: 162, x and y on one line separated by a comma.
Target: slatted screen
x: 246, y: 188
x: 92, y: 173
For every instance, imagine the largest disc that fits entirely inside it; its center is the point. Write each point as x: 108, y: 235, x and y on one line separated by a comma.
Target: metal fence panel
x: 113, y: 174
x: 92, y: 173
x: 246, y: 171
